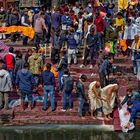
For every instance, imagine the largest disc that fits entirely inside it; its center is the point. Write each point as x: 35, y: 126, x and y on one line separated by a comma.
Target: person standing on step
x: 63, y: 64
x: 67, y: 87
x: 10, y: 62
x: 94, y: 94
x: 100, y: 26
x: 129, y: 34
x: 80, y: 91
x: 66, y: 21
x: 36, y: 64
x: 25, y: 22
x: 72, y: 41
x: 108, y: 95
x: 38, y: 27
x: 48, y: 81
x: 25, y: 84
x: 5, y: 86
x: 55, y: 50
x: 91, y: 48
x: 105, y: 69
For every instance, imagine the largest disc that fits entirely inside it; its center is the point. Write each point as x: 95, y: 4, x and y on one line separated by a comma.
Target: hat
x: 25, y: 10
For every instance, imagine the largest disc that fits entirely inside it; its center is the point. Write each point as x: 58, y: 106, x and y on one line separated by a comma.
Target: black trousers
x: 103, y: 81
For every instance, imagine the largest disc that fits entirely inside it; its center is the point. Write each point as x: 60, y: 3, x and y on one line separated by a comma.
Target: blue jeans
x: 11, y: 72
x: 81, y: 105
x: 48, y: 91
x: 101, y: 41
x: 65, y: 95
x: 60, y: 74
x: 80, y: 38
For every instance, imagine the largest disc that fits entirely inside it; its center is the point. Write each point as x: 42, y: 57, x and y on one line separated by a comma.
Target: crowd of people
x: 98, y: 28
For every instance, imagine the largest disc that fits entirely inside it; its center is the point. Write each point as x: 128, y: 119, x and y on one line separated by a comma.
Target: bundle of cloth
x: 27, y: 31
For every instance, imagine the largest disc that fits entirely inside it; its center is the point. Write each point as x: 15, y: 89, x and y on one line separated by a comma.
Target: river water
x: 16, y: 133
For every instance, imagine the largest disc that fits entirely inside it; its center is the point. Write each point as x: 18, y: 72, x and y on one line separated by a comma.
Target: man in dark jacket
x: 91, y: 48
x: 104, y: 71
x: 25, y: 83
x: 49, y: 87
x: 19, y: 63
x: 25, y: 22
x: 80, y: 90
x: 14, y: 20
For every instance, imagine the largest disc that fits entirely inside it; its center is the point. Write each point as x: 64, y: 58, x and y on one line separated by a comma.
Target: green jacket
x: 111, y: 34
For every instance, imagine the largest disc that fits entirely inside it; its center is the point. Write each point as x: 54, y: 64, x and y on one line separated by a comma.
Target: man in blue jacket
x: 134, y: 107
x: 91, y: 48
x: 66, y: 22
x: 49, y: 86
x: 25, y: 83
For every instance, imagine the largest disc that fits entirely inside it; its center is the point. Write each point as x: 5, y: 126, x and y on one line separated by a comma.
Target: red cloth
x: 100, y: 24
x: 10, y: 61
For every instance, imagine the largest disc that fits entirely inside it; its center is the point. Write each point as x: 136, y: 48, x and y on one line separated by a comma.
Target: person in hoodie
x: 5, y: 86
x: 25, y: 83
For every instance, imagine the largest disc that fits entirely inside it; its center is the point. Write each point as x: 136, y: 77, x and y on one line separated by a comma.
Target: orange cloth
x: 27, y: 31
x: 53, y: 71
x: 123, y: 45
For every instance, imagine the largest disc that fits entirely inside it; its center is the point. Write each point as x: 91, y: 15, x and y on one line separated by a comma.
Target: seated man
x: 134, y: 107
x: 94, y: 94
x: 108, y: 95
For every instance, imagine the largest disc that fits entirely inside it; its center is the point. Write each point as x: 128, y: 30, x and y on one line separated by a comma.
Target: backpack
x: 67, y: 84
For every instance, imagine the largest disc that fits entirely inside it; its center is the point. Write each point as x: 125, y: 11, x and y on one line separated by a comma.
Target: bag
x: 67, y: 85
x: 110, y: 47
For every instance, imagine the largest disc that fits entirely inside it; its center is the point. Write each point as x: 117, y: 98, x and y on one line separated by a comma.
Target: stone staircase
x: 37, y: 116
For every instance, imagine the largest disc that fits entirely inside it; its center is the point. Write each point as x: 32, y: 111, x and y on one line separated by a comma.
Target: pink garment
x: 39, y: 25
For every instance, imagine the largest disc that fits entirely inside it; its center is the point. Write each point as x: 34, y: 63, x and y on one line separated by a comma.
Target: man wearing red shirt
x: 100, y: 26
x: 10, y: 63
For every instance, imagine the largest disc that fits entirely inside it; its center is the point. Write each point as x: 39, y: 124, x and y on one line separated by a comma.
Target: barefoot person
x: 109, y: 93
x: 94, y: 97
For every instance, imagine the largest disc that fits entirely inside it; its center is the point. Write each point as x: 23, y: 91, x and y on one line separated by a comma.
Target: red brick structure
x: 8, y: 3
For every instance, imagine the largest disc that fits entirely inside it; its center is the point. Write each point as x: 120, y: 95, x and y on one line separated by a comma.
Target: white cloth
x: 80, y: 26
x: 124, y: 119
x: 94, y: 102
